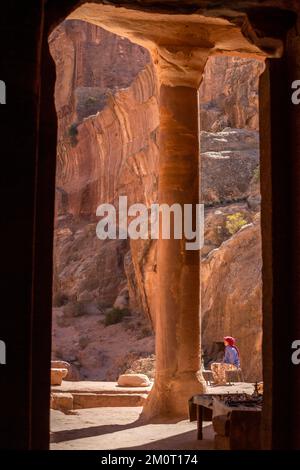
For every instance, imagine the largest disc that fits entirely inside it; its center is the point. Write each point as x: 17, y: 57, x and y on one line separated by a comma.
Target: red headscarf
x: 231, y: 341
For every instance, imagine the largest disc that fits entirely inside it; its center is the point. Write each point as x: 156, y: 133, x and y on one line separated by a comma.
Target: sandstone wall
x: 110, y: 153
x: 231, y: 297
x: 229, y: 93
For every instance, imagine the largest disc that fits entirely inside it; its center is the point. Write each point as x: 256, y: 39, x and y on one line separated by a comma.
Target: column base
x: 170, y: 398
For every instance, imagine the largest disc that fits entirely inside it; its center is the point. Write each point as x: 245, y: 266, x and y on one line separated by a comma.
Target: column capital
x: 180, y: 65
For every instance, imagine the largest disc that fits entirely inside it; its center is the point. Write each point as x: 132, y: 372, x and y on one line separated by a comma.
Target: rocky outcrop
x: 217, y: 218
x: 229, y: 93
x: 229, y: 160
x: 90, y: 65
x: 97, y: 351
x: 115, y: 152
x: 231, y: 297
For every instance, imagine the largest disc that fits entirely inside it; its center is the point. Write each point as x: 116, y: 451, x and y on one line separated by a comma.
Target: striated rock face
x: 116, y: 154
x: 107, y: 103
x: 229, y: 93
x: 88, y: 63
x: 110, y: 153
x: 231, y: 297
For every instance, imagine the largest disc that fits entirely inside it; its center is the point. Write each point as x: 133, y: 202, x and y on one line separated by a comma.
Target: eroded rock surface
x: 231, y: 297
x: 229, y: 93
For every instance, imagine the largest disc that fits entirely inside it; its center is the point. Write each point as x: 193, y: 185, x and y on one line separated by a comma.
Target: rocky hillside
x: 104, y: 291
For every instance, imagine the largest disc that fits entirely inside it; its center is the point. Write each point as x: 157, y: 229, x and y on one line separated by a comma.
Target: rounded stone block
x: 133, y: 380
x: 57, y: 375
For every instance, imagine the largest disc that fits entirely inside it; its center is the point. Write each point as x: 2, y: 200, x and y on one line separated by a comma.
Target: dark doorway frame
x: 30, y: 210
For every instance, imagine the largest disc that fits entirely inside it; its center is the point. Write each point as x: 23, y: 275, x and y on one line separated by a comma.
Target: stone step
x: 96, y: 400
x: 62, y: 402
x: 73, y: 401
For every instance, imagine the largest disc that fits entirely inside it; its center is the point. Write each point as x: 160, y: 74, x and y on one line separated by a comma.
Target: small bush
x: 72, y: 133
x: 83, y: 341
x: 115, y: 315
x: 74, y: 309
x: 235, y: 222
x: 145, y: 332
x: 90, y: 100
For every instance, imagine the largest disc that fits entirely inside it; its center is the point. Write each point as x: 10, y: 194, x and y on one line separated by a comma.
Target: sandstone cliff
x: 229, y: 93
x: 231, y: 297
x: 108, y: 118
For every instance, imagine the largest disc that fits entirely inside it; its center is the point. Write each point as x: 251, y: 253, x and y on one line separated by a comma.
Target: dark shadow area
x: 72, y: 434
x: 185, y: 440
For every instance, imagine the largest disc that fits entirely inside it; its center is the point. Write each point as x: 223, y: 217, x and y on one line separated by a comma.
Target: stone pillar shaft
x: 178, y: 315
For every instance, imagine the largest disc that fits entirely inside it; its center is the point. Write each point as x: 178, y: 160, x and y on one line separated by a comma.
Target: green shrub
x: 235, y: 222
x: 90, y: 100
x: 74, y: 309
x: 115, y: 315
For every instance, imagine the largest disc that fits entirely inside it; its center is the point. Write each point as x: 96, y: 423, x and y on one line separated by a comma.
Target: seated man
x: 231, y: 361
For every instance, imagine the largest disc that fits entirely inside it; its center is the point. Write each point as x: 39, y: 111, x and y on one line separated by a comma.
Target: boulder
x: 122, y: 300
x: 133, y: 380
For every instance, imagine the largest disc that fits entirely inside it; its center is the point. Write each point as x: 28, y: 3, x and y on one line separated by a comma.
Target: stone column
x: 280, y: 174
x: 178, y: 341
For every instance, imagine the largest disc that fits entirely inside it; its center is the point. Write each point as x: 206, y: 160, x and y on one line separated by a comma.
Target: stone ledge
x: 98, y: 388
x: 94, y: 400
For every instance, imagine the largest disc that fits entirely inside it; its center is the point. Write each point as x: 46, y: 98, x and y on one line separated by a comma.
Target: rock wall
x: 229, y: 93
x: 107, y: 103
x: 231, y: 297
x: 107, y: 124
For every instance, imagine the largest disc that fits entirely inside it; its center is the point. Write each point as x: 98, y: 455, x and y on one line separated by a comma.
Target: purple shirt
x: 231, y: 356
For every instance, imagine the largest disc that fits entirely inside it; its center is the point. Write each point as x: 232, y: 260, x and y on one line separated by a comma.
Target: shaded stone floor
x: 121, y: 428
